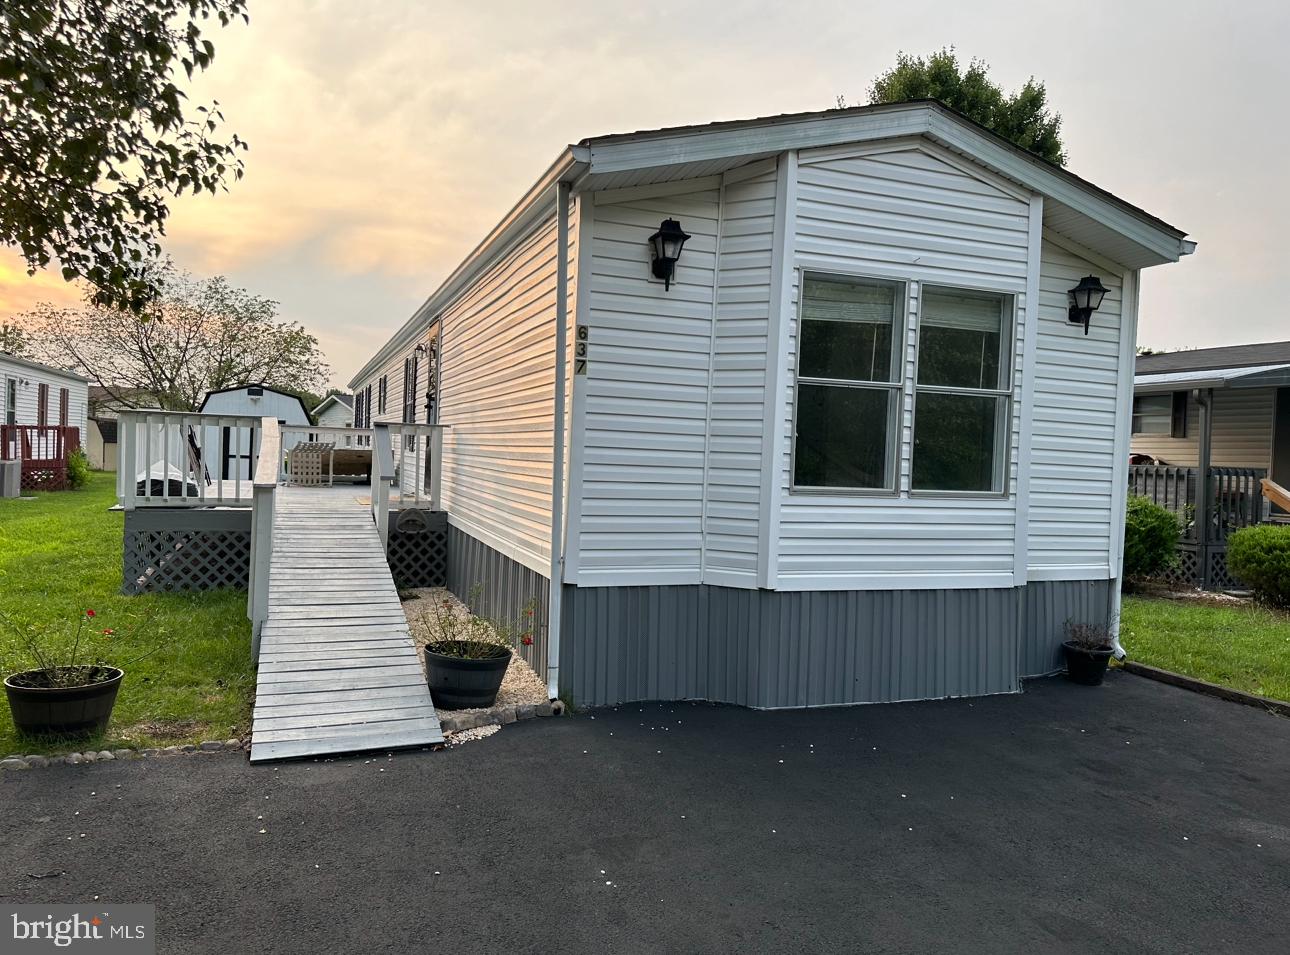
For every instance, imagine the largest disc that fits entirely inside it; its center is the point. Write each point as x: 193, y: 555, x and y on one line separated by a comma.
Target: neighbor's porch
x: 43, y: 452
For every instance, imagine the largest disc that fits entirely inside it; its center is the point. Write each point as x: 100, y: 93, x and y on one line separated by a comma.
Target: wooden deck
x: 338, y: 671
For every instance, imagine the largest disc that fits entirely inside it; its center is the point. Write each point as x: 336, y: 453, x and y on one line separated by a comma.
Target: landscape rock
x: 89, y: 756
x: 543, y: 709
x: 104, y: 754
x: 75, y: 758
x: 125, y: 754
x: 210, y: 746
x: 171, y: 750
x: 151, y: 751
x: 505, y: 714
x: 37, y: 762
x: 13, y: 762
x: 557, y: 707
x: 524, y: 711
x: 232, y: 744
x: 187, y: 748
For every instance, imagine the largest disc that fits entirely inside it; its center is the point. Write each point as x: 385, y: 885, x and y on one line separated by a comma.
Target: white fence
x: 182, y: 459
x: 410, y: 455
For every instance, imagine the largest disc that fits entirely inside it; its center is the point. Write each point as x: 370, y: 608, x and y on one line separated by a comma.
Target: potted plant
x: 65, y: 695
x: 467, y: 659
x: 1088, y: 651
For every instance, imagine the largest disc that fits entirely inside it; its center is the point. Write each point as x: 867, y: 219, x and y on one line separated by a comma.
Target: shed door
x: 233, y: 465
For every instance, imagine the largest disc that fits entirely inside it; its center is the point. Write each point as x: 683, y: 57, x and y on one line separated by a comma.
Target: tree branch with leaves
x: 94, y: 136
x: 198, y: 335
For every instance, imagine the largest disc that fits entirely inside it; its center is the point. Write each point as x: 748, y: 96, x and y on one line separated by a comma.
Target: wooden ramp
x: 338, y: 671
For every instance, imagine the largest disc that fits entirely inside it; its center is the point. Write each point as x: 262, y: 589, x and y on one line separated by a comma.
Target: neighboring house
x: 234, y: 454
x: 851, y: 446
x: 335, y: 411
x: 43, y: 410
x: 1219, y: 412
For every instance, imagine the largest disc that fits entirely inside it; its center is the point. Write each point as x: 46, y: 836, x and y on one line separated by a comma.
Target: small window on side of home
x: 1153, y: 414
x: 963, y: 391
x: 848, y: 383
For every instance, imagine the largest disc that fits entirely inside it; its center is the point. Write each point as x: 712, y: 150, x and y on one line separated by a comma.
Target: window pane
x: 1153, y: 414
x: 841, y: 436
x: 961, y: 339
x: 956, y: 441
x: 847, y: 329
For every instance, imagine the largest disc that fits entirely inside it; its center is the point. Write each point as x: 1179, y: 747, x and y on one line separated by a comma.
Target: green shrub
x: 1150, y: 538
x: 1260, y: 558
x: 78, y: 469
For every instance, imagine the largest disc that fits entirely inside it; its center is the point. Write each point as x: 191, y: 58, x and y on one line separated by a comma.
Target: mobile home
x: 813, y: 409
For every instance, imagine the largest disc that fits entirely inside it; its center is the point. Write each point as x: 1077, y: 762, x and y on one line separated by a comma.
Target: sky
x: 388, y: 137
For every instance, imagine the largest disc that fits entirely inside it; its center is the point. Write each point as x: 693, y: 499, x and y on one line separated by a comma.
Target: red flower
x: 529, y: 612
x: 526, y: 640
x: 89, y: 613
x: 108, y: 632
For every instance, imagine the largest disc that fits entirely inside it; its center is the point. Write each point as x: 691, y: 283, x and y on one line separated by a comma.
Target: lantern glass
x: 1089, y: 293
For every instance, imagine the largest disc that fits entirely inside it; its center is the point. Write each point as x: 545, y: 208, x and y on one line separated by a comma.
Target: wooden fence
x: 43, y: 451
x: 1234, y: 500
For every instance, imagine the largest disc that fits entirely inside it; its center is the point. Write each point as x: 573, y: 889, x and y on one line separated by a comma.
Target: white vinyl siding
x: 915, y: 216
x: 1072, y: 473
x: 645, y: 395
x: 1242, y: 432
x: 738, y: 400
x: 27, y: 383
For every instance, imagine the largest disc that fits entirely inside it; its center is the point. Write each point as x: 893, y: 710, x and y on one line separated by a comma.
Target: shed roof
x: 256, y: 384
x: 346, y: 400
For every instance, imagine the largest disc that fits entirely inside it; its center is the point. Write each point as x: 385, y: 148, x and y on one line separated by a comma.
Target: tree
x: 94, y: 139
x: 202, y: 335
x: 12, y: 339
x: 1022, y: 117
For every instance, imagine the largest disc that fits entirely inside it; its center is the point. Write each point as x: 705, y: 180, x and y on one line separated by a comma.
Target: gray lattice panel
x: 418, y: 548
x: 185, y: 549
x: 1220, y: 577
x: 1187, y: 572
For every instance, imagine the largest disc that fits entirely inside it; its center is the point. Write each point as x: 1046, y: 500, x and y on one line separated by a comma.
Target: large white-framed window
x: 962, y: 391
x: 849, y: 383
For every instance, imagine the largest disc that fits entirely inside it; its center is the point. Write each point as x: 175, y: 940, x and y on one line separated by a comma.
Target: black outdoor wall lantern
x: 665, y: 249
x: 1085, y: 299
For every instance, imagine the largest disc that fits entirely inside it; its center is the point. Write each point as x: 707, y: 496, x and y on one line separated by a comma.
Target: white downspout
x: 555, y: 604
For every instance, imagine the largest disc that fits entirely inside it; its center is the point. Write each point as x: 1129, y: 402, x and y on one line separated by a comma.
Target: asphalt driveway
x: 1137, y: 817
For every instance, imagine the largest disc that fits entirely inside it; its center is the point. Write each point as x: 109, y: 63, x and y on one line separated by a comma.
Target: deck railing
x: 264, y: 487
x: 344, y: 439
x: 43, y: 450
x: 1235, y: 496
x: 186, y: 459
x: 409, y: 456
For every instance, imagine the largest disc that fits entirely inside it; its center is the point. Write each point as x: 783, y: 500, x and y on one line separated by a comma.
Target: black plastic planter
x: 1086, y: 666
x: 62, y: 711
x: 458, y: 683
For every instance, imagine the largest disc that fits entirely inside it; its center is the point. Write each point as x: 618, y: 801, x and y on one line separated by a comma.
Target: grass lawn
x: 1244, y: 647
x: 61, y: 554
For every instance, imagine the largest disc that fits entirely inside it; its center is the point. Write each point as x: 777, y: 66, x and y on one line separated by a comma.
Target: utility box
x: 10, y: 478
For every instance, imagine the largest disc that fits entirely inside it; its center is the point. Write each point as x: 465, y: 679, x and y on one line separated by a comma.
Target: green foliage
x: 78, y: 469
x: 1150, y: 538
x: 12, y: 339
x: 94, y: 136
x: 1022, y: 117
x: 1260, y: 558
x: 60, y: 554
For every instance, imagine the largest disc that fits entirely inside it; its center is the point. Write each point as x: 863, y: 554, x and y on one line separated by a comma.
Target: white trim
x: 1068, y: 572
x: 1124, y: 417
x: 778, y: 320
x: 1034, y: 263
x: 1068, y: 244
x: 636, y: 577
x: 705, y: 490
x: 898, y: 580
x: 578, y: 389
x: 7, y: 357
x: 676, y: 187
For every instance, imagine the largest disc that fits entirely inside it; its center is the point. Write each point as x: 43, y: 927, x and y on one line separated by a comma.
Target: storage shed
x: 257, y: 400
x: 812, y: 409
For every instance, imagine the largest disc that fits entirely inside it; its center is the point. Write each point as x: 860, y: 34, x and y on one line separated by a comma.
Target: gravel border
x: 104, y: 755
x: 451, y: 722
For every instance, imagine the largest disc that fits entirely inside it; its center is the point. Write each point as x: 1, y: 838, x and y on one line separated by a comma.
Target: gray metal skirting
x: 505, y: 588
x: 783, y: 649
x: 185, y: 549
